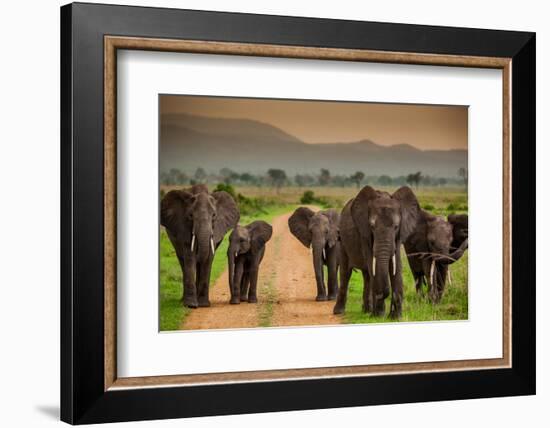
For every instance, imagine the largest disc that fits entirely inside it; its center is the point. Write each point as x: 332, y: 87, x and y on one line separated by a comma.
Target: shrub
x: 308, y: 197
x: 226, y: 188
x: 428, y: 207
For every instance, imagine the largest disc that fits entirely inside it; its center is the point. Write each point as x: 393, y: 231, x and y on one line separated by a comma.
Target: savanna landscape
x: 286, y: 288
x: 249, y: 162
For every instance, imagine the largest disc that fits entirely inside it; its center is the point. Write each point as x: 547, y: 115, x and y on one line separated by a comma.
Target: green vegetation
x: 453, y: 306
x: 266, y: 203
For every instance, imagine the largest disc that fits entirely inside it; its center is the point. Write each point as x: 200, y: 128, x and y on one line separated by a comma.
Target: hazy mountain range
x: 189, y: 142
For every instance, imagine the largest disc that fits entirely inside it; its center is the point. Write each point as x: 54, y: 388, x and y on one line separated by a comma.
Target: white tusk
x: 432, y: 268
x: 324, y: 255
x: 212, y: 245
x: 374, y: 266
x: 193, y: 243
x: 393, y: 264
x: 450, y: 277
x: 236, y: 254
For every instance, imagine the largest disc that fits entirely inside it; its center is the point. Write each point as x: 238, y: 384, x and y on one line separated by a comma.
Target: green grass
x: 453, y: 305
x: 440, y: 201
x: 172, y: 312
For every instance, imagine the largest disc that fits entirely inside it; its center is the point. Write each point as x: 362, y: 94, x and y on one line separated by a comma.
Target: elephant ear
x: 410, y: 211
x: 260, y: 233
x: 227, y: 214
x: 298, y: 223
x: 334, y: 227
x: 172, y: 208
x: 360, y: 210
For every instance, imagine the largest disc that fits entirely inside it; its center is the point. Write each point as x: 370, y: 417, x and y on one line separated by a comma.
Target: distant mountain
x: 189, y: 142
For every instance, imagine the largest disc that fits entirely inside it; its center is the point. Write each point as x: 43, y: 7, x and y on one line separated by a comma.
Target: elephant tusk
x: 236, y: 254
x: 193, y: 243
x: 374, y: 266
x: 212, y: 245
x: 450, y: 277
x: 324, y: 255
x: 432, y: 269
x: 393, y: 264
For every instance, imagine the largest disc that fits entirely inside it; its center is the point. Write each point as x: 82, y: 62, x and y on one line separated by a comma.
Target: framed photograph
x: 273, y: 213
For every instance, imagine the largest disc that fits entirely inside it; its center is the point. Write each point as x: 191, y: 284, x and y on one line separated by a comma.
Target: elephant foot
x: 395, y: 315
x: 244, y: 298
x: 321, y: 298
x: 235, y: 301
x: 338, y: 309
x: 367, y: 309
x: 332, y: 296
x: 252, y: 299
x: 190, y: 302
x: 204, y: 303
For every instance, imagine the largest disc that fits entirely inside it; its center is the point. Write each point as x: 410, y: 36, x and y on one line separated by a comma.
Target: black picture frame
x: 83, y: 398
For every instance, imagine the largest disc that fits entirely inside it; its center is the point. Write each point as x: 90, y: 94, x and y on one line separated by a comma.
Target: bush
x: 453, y: 207
x: 308, y: 197
x: 227, y: 188
x: 428, y: 207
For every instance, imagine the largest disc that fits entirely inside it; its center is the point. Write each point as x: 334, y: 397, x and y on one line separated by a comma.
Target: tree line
x: 276, y: 177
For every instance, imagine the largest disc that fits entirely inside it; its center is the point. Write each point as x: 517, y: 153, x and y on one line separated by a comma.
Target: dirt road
x: 286, y: 291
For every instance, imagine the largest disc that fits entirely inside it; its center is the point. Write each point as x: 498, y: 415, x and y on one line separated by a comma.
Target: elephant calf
x: 244, y: 254
x: 320, y: 231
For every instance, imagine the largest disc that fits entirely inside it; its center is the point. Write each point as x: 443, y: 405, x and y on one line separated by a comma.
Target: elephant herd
x: 366, y: 235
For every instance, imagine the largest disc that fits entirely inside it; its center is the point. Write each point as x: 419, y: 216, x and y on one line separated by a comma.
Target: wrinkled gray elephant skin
x: 196, y: 222
x: 319, y: 231
x: 244, y: 254
x: 430, y: 251
x: 372, y: 227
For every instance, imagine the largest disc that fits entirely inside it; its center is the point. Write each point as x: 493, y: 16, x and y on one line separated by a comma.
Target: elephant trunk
x: 234, y: 289
x: 203, y: 242
x: 457, y: 254
x: 383, y: 254
x: 318, y: 248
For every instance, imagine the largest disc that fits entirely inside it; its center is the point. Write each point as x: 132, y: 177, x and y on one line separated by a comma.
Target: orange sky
x: 422, y: 126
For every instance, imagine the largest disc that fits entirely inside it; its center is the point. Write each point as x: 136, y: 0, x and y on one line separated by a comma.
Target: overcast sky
x: 425, y: 127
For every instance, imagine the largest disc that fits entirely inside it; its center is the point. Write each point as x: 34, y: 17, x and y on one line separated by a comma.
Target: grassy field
x: 453, y: 305
x: 172, y: 312
x: 441, y: 201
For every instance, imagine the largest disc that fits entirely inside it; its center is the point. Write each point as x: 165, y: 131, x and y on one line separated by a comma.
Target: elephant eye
x: 214, y: 215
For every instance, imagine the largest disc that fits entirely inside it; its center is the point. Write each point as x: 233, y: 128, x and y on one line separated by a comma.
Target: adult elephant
x: 372, y: 227
x: 196, y: 222
x: 244, y: 255
x: 430, y: 251
x: 319, y: 230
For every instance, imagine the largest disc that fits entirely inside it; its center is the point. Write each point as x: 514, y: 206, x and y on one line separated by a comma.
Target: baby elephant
x: 245, y: 252
x: 320, y: 232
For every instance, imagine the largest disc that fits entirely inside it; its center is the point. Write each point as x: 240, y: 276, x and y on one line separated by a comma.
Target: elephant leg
x: 345, y: 275
x: 244, y: 286
x: 332, y: 275
x: 418, y: 279
x: 367, y: 292
x: 396, y: 287
x: 441, y: 278
x: 237, y: 293
x: 204, y: 282
x: 189, y: 297
x: 253, y: 277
